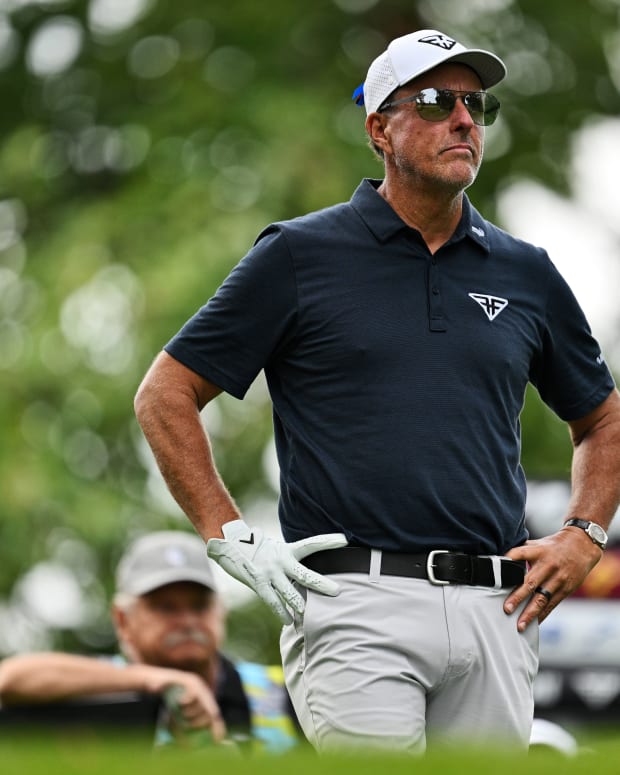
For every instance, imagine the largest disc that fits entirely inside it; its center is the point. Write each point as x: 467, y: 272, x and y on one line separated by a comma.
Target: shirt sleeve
x: 247, y: 322
x: 570, y: 372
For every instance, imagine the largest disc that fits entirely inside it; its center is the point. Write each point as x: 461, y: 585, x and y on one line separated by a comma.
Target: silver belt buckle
x: 429, y: 568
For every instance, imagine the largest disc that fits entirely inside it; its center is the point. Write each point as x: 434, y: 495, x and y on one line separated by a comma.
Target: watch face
x: 597, y: 533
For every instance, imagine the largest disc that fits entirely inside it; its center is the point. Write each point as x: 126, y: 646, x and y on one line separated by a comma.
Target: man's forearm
x: 47, y: 677
x: 596, y: 469
x: 167, y: 407
x: 183, y: 455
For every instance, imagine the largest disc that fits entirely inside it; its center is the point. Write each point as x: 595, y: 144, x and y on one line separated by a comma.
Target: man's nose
x: 460, y: 115
x: 185, y: 616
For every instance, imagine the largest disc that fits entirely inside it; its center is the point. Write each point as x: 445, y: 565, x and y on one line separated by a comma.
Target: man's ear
x: 119, y: 619
x: 220, y: 615
x: 123, y: 636
x: 377, y: 129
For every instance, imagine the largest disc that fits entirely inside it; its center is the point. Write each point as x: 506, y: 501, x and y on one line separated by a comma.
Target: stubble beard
x: 444, y: 178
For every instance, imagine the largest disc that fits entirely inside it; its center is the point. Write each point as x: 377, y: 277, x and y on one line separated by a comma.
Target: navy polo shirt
x: 397, y: 377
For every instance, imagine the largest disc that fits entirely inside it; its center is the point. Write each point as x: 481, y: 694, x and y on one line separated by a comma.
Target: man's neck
x: 434, y: 214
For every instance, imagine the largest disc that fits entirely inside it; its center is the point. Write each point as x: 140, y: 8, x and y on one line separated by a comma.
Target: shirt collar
x: 374, y: 210
x: 384, y: 222
x: 472, y: 225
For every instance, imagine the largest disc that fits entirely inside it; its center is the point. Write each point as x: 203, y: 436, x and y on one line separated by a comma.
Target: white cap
x: 550, y: 735
x: 412, y: 55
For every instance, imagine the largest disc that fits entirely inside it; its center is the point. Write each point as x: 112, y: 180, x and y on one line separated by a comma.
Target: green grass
x: 65, y: 753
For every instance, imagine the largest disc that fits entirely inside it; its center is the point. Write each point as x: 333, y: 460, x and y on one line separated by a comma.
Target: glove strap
x: 238, y: 530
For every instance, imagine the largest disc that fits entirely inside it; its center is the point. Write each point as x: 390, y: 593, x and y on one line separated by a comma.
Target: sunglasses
x: 437, y: 104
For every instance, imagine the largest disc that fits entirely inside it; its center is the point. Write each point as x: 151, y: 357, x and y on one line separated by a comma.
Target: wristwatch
x: 597, y: 535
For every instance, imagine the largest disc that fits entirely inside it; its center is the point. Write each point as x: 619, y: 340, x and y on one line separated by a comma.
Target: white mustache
x: 183, y: 636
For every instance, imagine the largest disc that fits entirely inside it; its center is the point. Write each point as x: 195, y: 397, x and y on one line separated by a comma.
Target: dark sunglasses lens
x: 434, y: 105
x: 482, y: 107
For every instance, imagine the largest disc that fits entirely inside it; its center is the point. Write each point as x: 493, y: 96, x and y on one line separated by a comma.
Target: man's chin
x: 460, y: 173
x: 194, y: 659
x: 191, y: 666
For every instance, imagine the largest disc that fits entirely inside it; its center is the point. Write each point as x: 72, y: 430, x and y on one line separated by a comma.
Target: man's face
x: 443, y: 154
x: 179, y: 625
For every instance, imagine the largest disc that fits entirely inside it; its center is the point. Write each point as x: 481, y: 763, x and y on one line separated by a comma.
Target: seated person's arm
x: 46, y: 677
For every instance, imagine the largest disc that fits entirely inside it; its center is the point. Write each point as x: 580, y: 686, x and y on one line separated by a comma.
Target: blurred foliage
x: 143, y: 145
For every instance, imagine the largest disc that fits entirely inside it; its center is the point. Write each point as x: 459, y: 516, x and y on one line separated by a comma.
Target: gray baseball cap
x: 412, y: 55
x: 161, y: 558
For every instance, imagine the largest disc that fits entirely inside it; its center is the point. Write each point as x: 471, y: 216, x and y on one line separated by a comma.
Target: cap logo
x: 175, y: 556
x: 442, y: 41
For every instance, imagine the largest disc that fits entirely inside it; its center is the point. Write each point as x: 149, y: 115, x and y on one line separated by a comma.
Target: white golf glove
x: 267, y: 565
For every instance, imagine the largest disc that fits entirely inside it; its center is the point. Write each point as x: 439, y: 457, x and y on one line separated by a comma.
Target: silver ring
x: 544, y: 592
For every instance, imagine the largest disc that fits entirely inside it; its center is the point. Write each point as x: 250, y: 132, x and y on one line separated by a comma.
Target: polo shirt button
x: 435, y: 291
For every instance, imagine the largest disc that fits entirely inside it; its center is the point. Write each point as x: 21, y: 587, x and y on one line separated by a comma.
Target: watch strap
x: 584, y: 524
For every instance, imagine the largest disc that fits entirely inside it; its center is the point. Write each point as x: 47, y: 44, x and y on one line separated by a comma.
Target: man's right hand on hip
x: 267, y: 565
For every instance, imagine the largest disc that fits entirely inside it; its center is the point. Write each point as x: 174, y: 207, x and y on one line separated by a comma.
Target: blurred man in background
x: 170, y: 624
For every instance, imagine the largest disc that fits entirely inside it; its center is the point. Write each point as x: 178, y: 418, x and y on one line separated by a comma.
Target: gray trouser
x: 391, y: 660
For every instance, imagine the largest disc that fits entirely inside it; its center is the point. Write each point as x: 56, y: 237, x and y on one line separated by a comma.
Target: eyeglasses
x: 437, y: 104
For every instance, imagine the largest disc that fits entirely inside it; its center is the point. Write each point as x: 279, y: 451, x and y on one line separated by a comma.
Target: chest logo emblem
x: 492, y: 305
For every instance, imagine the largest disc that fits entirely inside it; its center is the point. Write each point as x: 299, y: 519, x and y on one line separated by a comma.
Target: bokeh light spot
x: 108, y: 17
x: 229, y: 69
x: 54, y: 46
x: 51, y: 593
x: 85, y: 454
x: 153, y: 57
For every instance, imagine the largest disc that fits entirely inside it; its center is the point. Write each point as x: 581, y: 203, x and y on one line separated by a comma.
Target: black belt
x: 439, y: 566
